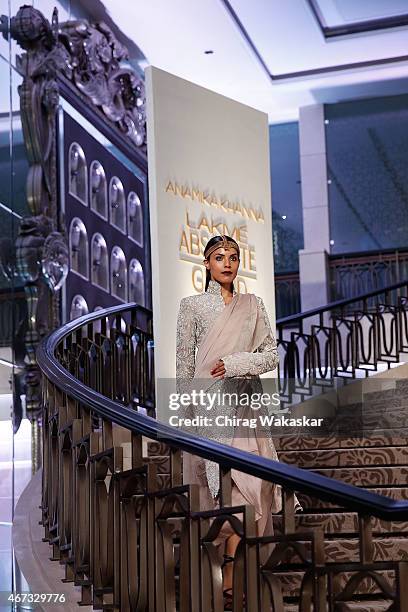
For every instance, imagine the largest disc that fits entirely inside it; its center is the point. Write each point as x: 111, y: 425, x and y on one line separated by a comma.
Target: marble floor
x: 15, y: 473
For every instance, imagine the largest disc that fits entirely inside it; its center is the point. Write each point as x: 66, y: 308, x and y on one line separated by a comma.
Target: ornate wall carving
x: 91, y: 60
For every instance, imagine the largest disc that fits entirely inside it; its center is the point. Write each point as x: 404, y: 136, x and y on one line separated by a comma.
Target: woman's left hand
x: 218, y: 371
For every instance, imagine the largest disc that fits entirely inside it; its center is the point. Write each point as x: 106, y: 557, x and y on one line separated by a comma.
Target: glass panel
x: 118, y: 269
x: 136, y: 282
x: 98, y: 189
x: 79, y: 307
x: 99, y: 262
x: 15, y: 450
x: 342, y: 12
x: 117, y: 204
x: 367, y: 157
x: 78, y: 247
x: 78, y: 173
x: 4, y: 46
x: 135, y: 218
x: 287, y: 222
x: 6, y: 216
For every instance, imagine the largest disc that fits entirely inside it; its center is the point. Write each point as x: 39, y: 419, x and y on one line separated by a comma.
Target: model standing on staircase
x: 223, y: 339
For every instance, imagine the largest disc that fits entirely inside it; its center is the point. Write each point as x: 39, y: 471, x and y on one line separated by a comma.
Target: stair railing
x: 124, y: 526
x: 343, y: 339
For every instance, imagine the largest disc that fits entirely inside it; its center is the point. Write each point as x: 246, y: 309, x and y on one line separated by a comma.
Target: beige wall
x: 208, y: 159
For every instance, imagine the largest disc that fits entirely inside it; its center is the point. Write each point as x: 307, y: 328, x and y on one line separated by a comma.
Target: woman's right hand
x: 218, y: 371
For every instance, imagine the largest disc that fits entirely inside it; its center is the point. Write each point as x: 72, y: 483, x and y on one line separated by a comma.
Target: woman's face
x: 223, y: 265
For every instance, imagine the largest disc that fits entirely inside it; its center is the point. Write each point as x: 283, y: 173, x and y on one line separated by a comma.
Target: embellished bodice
x: 196, y: 316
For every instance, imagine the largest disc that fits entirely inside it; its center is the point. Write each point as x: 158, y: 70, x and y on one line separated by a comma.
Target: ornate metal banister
x: 126, y: 529
x: 337, y: 305
x: 354, y: 273
x: 341, y: 340
x: 360, y: 500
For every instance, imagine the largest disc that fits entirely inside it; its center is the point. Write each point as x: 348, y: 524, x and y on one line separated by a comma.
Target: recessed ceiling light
x: 283, y: 216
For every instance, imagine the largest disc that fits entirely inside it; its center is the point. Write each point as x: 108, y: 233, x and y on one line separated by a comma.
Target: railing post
x: 252, y: 590
x: 365, y: 539
x: 194, y: 528
x: 402, y: 591
x: 291, y: 365
x: 225, y: 486
x: 288, y: 511
x: 151, y: 546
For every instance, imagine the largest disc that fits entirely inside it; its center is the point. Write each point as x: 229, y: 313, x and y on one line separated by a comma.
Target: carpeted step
x: 346, y: 550
x: 370, y: 421
x: 355, y: 606
x: 390, y: 455
x: 385, y: 549
x: 339, y: 522
x: 386, y: 395
x: 365, y: 606
x: 402, y: 385
x: 310, y: 502
x: 357, y: 426
x: 163, y: 481
x: 392, y: 405
x: 307, y: 442
x: 157, y: 448
x: 291, y: 582
x: 368, y: 476
x: 162, y: 462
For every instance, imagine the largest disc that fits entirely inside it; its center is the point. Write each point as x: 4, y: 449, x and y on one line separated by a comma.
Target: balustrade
x: 126, y: 529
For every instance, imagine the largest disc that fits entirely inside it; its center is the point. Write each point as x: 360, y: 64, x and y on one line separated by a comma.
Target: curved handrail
x: 359, y: 500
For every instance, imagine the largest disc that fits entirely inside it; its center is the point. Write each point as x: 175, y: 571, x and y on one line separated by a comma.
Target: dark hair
x: 208, y: 246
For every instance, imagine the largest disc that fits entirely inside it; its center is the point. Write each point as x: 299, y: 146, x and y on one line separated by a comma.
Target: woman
x: 224, y: 341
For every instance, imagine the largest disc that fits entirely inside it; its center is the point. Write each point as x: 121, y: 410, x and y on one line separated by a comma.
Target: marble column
x: 313, y: 259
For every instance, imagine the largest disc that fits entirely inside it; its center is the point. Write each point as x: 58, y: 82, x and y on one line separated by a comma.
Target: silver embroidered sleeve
x: 185, y: 345
x: 264, y: 359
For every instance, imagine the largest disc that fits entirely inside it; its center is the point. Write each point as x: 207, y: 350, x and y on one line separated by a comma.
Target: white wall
x: 201, y: 140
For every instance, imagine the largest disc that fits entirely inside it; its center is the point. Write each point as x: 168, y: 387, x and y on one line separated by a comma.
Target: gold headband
x: 225, y: 244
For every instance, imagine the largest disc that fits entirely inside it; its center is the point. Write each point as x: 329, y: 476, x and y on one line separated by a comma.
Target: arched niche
x: 118, y: 271
x: 135, y: 218
x: 117, y: 204
x: 98, y: 190
x: 136, y: 282
x: 78, y: 248
x: 78, y: 173
x: 99, y: 262
x: 79, y: 307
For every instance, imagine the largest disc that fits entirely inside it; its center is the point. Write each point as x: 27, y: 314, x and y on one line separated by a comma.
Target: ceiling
x: 275, y: 56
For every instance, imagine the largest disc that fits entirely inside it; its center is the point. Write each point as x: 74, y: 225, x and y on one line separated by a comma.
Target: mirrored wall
x: 15, y: 429
x: 106, y: 212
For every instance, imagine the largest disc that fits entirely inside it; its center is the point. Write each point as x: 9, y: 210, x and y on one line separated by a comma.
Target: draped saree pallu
x: 239, y: 333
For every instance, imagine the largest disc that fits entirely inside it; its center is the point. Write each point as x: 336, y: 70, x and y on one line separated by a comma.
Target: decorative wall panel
x: 83, y: 64
x: 109, y: 260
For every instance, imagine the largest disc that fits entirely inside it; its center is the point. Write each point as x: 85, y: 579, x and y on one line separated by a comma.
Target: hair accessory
x: 224, y: 244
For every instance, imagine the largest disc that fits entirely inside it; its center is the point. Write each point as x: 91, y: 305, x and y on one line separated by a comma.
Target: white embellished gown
x: 196, y: 317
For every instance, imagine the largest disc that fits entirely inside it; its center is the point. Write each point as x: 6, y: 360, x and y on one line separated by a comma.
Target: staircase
x: 377, y: 461
x: 160, y: 554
